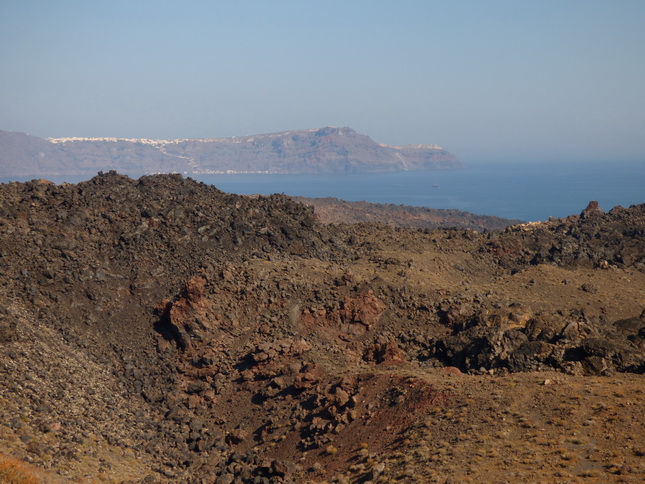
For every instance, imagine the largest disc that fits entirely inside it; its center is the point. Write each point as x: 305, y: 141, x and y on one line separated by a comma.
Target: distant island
x: 328, y: 150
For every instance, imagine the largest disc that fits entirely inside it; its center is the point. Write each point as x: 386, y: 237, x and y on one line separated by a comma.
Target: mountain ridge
x: 328, y: 150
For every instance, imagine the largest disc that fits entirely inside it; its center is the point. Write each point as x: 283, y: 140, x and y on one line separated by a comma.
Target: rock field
x: 159, y: 330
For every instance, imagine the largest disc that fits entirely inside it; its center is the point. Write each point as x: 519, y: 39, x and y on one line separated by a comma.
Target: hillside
x: 334, y: 210
x: 159, y: 330
x: 326, y: 150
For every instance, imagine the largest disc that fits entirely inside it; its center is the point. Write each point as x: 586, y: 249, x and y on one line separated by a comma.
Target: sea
x: 521, y: 191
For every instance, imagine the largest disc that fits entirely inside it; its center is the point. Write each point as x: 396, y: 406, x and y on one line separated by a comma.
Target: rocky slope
x: 159, y: 330
x: 336, y: 211
x: 326, y: 150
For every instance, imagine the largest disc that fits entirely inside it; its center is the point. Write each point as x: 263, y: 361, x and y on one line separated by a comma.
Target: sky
x: 494, y: 80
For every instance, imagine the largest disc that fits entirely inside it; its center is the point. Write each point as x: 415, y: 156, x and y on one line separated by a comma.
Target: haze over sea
x: 525, y: 191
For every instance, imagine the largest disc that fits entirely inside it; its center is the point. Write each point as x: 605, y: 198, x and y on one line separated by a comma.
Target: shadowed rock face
x: 326, y: 150
x: 162, y: 329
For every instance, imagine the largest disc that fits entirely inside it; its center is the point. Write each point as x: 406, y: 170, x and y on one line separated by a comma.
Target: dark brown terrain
x: 327, y: 150
x: 335, y: 211
x: 159, y: 330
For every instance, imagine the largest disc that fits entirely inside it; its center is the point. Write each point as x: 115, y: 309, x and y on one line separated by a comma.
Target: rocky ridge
x: 159, y: 330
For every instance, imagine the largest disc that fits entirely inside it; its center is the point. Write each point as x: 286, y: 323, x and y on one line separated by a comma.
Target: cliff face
x: 326, y: 150
x: 25, y: 155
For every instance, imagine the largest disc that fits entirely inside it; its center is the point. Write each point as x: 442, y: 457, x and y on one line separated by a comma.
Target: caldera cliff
x: 327, y: 150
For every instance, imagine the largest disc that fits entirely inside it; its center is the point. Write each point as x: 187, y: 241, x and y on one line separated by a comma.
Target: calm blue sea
x: 525, y: 191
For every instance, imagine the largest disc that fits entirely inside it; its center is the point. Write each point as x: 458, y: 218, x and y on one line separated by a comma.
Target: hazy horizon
x: 489, y: 81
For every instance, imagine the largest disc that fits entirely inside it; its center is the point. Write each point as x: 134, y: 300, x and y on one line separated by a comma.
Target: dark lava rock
x: 138, y: 314
x: 616, y: 238
x: 593, y: 207
x: 548, y: 340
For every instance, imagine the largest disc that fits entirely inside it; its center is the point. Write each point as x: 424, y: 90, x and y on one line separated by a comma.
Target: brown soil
x: 161, y: 331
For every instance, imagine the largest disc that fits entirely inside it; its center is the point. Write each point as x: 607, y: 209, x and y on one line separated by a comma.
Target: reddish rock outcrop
x: 187, y: 318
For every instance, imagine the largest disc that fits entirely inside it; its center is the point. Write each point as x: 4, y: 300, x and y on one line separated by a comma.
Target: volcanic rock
x: 159, y: 330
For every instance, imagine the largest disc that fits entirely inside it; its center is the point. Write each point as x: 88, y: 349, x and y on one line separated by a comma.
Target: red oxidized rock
x: 187, y: 318
x: 365, y: 309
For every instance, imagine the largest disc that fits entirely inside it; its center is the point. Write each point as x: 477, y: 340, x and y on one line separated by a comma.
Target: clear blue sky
x: 489, y: 80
